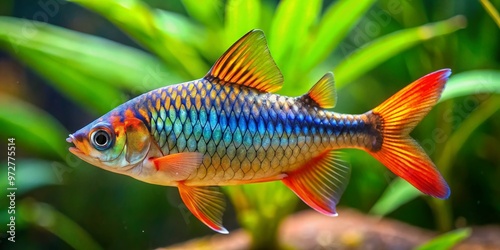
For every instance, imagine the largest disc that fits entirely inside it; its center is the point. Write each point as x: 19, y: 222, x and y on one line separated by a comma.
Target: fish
x: 231, y: 128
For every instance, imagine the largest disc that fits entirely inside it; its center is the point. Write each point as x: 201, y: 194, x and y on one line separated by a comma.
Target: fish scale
x: 250, y: 137
x: 229, y: 128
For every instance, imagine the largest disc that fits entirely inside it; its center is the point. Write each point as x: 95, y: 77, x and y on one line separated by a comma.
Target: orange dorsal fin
x: 206, y: 203
x: 320, y: 182
x: 178, y: 166
x: 398, y: 115
x: 249, y: 63
x: 323, y: 93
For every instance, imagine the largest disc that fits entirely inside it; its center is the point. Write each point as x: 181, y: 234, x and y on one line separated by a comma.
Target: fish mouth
x: 70, y: 138
x: 74, y: 150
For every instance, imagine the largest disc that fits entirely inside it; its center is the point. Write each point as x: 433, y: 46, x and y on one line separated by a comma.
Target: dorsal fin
x: 323, y: 92
x: 249, y: 63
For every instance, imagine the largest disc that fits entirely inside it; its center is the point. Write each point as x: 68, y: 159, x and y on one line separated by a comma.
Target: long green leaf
x: 32, y: 174
x: 492, y: 11
x: 472, y: 82
x: 238, y: 21
x: 485, y: 110
x: 181, y: 27
x: 145, y: 26
x: 288, y: 30
x: 337, y: 21
x: 374, y: 53
x: 105, y: 59
x: 32, y: 127
x: 207, y: 12
x: 90, y: 93
x: 92, y: 75
x: 398, y: 192
x: 45, y: 216
x: 447, y: 240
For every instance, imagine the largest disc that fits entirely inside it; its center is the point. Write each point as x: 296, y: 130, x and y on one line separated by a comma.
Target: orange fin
x: 178, y: 166
x: 398, y: 115
x: 206, y: 203
x: 249, y: 63
x: 321, y: 182
x: 323, y: 92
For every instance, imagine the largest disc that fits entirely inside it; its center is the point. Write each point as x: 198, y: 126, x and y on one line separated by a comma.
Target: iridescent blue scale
x: 248, y: 123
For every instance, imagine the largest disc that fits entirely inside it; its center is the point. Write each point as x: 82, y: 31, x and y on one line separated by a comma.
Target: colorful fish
x: 228, y: 128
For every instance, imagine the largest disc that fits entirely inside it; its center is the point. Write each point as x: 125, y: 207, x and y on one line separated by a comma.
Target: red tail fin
x: 398, y: 116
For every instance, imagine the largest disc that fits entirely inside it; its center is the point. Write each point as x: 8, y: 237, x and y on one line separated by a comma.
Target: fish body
x: 229, y: 128
x: 244, y: 135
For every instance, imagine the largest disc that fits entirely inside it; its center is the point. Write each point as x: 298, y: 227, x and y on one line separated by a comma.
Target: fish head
x: 113, y: 142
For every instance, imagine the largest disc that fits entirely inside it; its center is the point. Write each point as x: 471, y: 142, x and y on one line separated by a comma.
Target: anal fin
x: 321, y: 182
x: 206, y: 203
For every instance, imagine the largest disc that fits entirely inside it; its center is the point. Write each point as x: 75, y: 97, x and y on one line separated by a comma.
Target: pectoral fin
x: 178, y: 166
x: 206, y: 203
x: 320, y: 182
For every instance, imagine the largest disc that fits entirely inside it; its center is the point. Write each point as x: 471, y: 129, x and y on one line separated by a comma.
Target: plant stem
x: 443, y: 214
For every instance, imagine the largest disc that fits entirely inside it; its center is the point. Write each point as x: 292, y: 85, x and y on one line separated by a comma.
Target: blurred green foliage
x: 374, y: 48
x: 446, y: 241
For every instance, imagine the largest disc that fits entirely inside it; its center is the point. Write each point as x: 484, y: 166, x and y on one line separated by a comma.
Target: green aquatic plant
x: 446, y: 241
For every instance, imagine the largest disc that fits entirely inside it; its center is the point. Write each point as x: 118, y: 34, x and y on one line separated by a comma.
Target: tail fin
x: 398, y: 115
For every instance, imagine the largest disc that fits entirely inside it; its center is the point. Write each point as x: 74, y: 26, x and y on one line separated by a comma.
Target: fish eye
x: 101, y: 139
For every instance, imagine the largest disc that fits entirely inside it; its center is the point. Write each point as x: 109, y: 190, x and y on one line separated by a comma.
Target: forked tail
x: 397, y: 117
